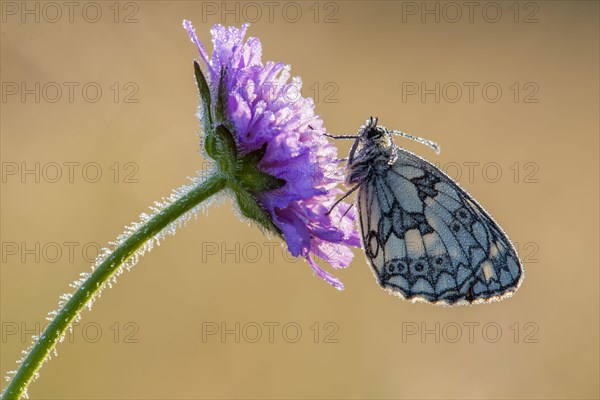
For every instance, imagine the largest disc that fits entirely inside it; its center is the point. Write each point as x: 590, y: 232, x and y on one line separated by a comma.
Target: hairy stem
x: 47, y: 341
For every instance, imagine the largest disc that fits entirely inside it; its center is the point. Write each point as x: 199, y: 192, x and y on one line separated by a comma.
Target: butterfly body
x: 426, y: 238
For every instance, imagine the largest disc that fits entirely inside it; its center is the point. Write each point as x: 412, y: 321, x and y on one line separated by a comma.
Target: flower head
x: 272, y: 124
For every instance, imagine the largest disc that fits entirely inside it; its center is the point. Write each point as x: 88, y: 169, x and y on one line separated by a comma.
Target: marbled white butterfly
x: 425, y: 237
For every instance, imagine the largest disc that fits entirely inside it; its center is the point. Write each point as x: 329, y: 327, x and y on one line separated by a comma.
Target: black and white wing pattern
x: 428, y: 240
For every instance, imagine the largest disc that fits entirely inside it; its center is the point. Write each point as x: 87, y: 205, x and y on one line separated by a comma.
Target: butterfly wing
x: 428, y: 240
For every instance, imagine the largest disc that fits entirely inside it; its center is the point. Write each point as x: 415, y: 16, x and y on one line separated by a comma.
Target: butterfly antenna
x: 336, y: 136
x: 340, y: 136
x: 421, y: 140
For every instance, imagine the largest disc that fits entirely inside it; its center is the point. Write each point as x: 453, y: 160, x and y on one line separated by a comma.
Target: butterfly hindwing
x: 428, y: 240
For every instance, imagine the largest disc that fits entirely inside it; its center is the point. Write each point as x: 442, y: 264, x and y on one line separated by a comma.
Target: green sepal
x: 256, y: 181
x: 210, y: 145
x: 254, y: 157
x: 226, y: 150
x: 204, y: 91
x: 250, y: 209
x: 252, y: 178
x: 221, y: 106
x: 207, y: 121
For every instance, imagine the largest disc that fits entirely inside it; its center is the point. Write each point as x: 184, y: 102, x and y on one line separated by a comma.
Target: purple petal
x: 332, y: 280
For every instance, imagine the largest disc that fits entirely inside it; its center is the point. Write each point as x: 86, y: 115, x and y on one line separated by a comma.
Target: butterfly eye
x: 373, y: 134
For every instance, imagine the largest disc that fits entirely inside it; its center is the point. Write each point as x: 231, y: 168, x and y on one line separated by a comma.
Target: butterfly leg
x: 346, y: 212
x: 354, y: 189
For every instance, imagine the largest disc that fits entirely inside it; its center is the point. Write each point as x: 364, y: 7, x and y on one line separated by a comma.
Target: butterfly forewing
x: 428, y: 240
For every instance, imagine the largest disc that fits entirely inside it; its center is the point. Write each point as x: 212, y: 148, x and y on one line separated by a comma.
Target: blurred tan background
x: 529, y: 156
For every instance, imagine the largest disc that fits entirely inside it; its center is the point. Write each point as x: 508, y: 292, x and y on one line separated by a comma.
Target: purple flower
x: 264, y: 107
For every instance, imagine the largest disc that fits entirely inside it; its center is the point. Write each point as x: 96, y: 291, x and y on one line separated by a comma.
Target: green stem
x: 101, y: 274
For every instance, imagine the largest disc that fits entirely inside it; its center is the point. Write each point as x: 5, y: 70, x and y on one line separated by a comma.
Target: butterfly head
x: 370, y: 131
x: 371, y: 137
